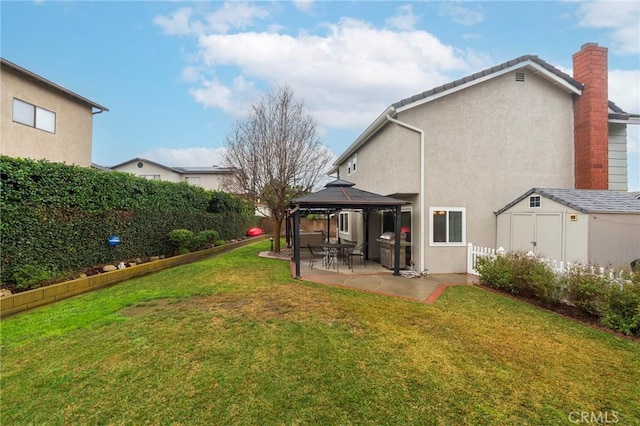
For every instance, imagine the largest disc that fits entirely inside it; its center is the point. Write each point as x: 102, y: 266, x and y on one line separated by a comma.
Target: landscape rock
x: 5, y: 292
x: 109, y: 268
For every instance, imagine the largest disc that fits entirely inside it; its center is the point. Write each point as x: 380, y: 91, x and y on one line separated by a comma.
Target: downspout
x: 423, y: 225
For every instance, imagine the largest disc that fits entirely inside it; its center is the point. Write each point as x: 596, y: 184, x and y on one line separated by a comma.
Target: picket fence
x: 476, y: 252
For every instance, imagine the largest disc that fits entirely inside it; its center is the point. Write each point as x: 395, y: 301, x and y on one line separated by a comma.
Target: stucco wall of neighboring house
x: 614, y: 239
x: 212, y: 182
x: 149, y: 169
x: 618, y: 157
x: 71, y: 142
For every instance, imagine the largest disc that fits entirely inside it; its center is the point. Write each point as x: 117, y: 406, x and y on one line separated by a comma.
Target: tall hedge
x: 57, y: 218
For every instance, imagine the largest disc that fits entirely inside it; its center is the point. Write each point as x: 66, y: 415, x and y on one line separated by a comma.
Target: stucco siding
x: 71, y: 142
x: 488, y: 144
x: 149, y: 169
x: 618, y: 157
x: 390, y: 163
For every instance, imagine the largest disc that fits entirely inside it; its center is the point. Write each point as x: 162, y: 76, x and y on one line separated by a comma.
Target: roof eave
x: 36, y: 77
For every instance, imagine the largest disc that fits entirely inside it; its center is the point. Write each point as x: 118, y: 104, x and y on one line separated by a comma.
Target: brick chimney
x: 591, y: 114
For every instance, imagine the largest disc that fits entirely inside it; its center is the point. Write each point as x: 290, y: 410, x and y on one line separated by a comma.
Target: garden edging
x: 19, y: 302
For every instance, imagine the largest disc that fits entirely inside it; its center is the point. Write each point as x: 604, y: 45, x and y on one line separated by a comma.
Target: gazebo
x: 338, y: 195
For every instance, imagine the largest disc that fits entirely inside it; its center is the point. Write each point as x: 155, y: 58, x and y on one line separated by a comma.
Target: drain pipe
x: 423, y: 225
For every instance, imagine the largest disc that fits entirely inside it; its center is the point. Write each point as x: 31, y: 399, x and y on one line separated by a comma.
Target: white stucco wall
x: 72, y: 140
x: 149, y: 169
x: 614, y: 239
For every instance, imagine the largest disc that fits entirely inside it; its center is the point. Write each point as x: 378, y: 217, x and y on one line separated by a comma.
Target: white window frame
x: 150, y: 177
x: 41, y: 118
x: 352, y: 164
x: 192, y: 180
x: 344, y: 225
x: 533, y: 199
x: 463, y: 210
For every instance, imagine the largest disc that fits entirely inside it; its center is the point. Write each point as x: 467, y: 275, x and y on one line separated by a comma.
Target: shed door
x: 540, y: 233
x: 522, y: 232
x: 548, y: 235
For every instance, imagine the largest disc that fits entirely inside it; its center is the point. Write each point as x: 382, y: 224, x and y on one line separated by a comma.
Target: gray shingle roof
x: 585, y: 200
x: 617, y: 111
x: 342, y: 194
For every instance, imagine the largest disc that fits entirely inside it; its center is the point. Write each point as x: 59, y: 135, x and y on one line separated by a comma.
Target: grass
x: 235, y: 340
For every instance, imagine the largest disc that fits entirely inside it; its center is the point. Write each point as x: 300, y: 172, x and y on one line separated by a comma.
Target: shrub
x: 29, y: 276
x: 180, y: 240
x: 220, y: 242
x: 204, y: 238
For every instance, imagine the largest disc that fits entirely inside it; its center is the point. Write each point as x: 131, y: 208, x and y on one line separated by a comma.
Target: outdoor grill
x: 387, y: 250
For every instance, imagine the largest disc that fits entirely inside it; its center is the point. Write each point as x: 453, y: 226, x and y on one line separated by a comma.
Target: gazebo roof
x: 342, y: 194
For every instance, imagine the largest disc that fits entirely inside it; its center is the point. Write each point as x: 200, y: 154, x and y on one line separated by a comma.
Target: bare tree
x: 277, y: 152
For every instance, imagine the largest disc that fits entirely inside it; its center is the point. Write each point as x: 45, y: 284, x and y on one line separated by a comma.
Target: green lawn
x: 235, y: 340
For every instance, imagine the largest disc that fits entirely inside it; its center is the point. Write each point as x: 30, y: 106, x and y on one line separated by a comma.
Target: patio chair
x: 359, y: 251
x: 315, y: 255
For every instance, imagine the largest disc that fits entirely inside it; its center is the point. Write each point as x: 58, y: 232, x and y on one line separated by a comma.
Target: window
x: 448, y: 226
x: 31, y: 115
x: 193, y: 180
x: 534, y: 201
x: 343, y: 222
x: 151, y: 177
x: 352, y: 165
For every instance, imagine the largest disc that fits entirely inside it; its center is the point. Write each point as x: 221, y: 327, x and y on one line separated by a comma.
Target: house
x: 43, y: 120
x: 588, y: 226
x: 460, y: 151
x: 210, y: 178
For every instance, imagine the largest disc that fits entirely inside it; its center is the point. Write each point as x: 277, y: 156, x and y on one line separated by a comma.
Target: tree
x: 277, y: 153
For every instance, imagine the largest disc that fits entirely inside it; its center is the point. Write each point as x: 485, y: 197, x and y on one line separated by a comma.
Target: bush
x: 220, y: 242
x: 180, y: 240
x: 613, y: 301
x: 28, y: 277
x: 204, y: 239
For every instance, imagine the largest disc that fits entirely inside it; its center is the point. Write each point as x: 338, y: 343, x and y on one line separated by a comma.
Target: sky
x: 177, y: 75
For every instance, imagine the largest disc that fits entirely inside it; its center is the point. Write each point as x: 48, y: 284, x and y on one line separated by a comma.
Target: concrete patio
x: 375, y: 278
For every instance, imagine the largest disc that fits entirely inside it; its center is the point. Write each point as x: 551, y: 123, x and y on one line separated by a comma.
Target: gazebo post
x: 296, y: 239
x: 328, y: 225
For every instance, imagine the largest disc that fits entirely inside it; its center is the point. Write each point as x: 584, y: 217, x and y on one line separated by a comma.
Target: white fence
x: 476, y: 252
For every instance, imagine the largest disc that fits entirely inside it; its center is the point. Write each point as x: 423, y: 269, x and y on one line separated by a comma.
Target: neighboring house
x: 461, y: 151
x: 43, y: 120
x: 211, y: 178
x: 573, y: 225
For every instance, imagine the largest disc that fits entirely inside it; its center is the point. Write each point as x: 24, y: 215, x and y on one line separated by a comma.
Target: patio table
x: 334, y: 252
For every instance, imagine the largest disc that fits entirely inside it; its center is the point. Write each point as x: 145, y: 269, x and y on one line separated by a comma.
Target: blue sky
x: 176, y: 75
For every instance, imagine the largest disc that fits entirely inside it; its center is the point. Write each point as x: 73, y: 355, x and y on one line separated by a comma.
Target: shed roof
x: 180, y: 170
x: 342, y: 194
x: 584, y: 200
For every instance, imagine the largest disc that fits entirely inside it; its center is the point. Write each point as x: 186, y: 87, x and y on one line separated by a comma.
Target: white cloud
x: 187, y: 157
x: 304, y: 5
x: 621, y: 18
x: 346, y: 75
x: 230, y: 16
x: 404, y: 20
x: 463, y: 15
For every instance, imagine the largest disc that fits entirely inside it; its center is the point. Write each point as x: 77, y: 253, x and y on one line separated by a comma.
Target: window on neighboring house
x: 150, y: 177
x: 534, y: 201
x: 343, y: 222
x: 34, y: 116
x: 448, y: 226
x: 193, y: 180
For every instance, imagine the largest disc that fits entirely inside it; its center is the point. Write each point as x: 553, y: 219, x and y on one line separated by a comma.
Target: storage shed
x: 572, y: 225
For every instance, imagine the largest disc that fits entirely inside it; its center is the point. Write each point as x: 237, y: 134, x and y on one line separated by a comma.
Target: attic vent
x: 519, y: 76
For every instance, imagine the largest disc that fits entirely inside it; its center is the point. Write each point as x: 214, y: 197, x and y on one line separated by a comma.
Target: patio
x: 375, y: 278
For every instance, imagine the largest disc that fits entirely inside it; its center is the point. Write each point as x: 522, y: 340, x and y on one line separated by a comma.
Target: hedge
x: 56, y: 218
